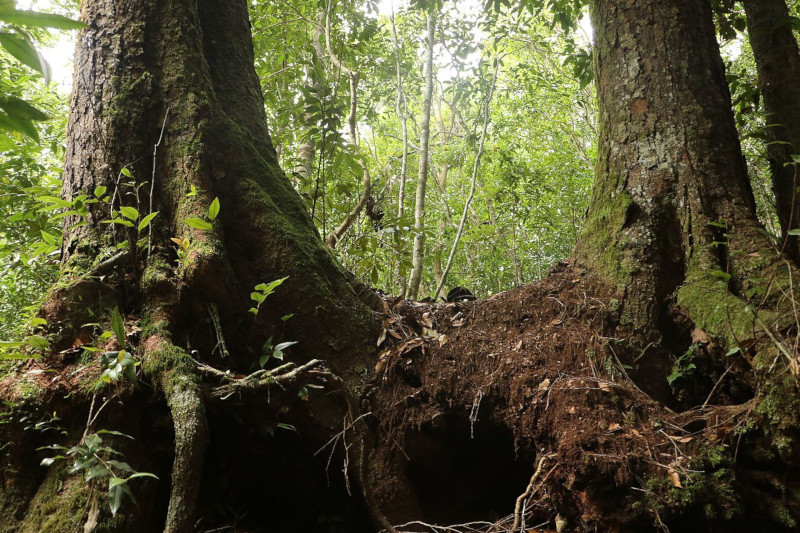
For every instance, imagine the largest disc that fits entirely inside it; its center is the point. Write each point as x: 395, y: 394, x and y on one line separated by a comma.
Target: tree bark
x: 187, y: 67
x: 778, y: 61
x: 418, y: 257
x: 672, y: 210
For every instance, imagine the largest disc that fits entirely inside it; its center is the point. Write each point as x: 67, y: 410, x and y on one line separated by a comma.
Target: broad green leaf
x: 795, y: 231
x: 282, y: 346
x: 39, y: 20
x: 115, y: 493
x: 213, y: 209
x: 18, y: 108
x: 146, y: 220
x: 9, y: 123
x: 24, y: 51
x: 126, y: 172
x: 118, y: 325
x: 100, y: 190
x: 49, y: 239
x: 39, y: 343
x: 198, y: 223
x: 129, y: 212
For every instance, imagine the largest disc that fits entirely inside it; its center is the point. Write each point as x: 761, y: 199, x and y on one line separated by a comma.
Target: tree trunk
x: 187, y: 67
x: 418, y: 257
x: 778, y: 61
x: 672, y: 208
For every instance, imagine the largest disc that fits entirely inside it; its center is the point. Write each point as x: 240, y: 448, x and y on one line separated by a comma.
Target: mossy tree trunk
x: 778, y: 61
x: 166, y: 100
x: 672, y: 218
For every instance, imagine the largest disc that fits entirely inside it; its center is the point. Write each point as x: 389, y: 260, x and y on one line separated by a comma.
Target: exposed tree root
x: 261, y: 380
x: 191, y: 438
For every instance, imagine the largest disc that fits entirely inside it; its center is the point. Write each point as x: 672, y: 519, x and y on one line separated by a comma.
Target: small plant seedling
x: 261, y: 291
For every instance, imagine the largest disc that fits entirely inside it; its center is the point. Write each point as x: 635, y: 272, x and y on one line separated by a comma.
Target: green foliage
x: 93, y: 459
x: 268, y: 351
x: 684, y: 365
x: 17, y: 115
x: 261, y: 291
x: 535, y: 173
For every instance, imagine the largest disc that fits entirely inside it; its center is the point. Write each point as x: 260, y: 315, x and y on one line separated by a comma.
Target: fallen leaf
x: 604, y: 386
x: 394, y: 334
x: 682, y: 440
x: 518, y: 347
x: 410, y: 344
x: 636, y: 433
x: 544, y: 385
x: 426, y: 320
x: 675, y: 478
x: 614, y: 427
x: 459, y: 323
x: 427, y: 332
x: 382, y: 337
x: 443, y: 340
x: 556, y: 321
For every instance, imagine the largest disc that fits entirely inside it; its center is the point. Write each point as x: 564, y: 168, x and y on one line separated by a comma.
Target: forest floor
x: 515, y: 406
x: 530, y: 410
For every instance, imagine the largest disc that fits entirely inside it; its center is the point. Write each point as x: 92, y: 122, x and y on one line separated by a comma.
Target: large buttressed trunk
x: 187, y: 68
x: 167, y: 115
x: 672, y: 211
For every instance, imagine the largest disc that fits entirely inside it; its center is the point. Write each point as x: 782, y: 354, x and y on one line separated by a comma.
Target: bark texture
x: 778, y: 61
x: 186, y: 67
x: 671, y: 200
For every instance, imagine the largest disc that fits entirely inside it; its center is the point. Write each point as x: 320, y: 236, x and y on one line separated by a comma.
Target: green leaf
x: 129, y: 212
x: 100, y: 190
x: 142, y: 474
x: 257, y: 296
x: 146, y: 220
x: 115, y: 492
x: 126, y: 172
x: 18, y: 108
x: 38, y: 343
x: 118, y: 325
x: 39, y: 20
x: 794, y: 232
x: 120, y: 221
x: 282, y: 346
x: 49, y: 239
x: 120, y: 465
x: 213, y: 209
x: 198, y: 223
x: 24, y: 51
x: 9, y: 123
